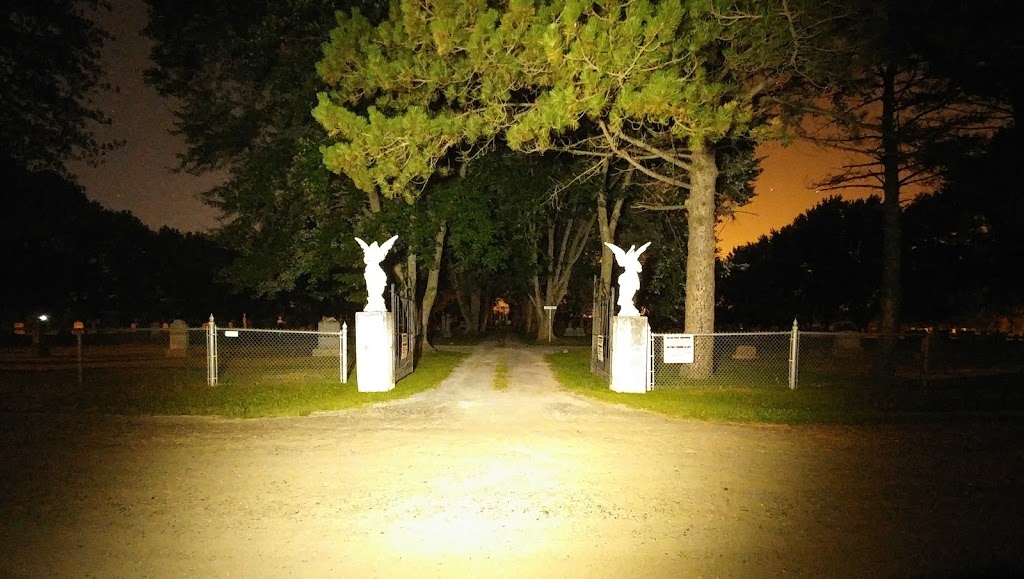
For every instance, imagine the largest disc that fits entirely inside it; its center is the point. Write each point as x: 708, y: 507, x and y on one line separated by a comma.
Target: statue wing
x: 636, y: 253
x: 620, y: 256
x: 362, y: 244
x: 386, y: 246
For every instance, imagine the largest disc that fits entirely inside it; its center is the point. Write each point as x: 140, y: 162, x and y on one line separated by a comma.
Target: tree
x: 890, y: 109
x: 654, y: 84
x: 243, y: 76
x: 50, y: 55
x: 822, y: 269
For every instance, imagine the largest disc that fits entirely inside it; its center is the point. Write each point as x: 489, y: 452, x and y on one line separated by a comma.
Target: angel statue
x: 375, y: 277
x: 629, y: 281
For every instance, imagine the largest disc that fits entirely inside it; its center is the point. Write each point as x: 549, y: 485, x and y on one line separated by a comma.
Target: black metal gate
x: 600, y: 340
x: 405, y: 332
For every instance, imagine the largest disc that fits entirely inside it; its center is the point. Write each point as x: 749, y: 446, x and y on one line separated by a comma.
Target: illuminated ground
x: 467, y: 481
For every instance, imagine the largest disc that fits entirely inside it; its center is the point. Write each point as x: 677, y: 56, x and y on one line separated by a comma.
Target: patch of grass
x: 183, y: 391
x: 858, y: 405
x: 501, y: 376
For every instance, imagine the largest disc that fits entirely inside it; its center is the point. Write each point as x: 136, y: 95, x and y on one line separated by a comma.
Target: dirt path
x: 467, y: 481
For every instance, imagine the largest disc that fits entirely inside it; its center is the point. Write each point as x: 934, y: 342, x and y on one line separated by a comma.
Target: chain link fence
x: 825, y: 359
x: 56, y: 360
x: 174, y: 355
x: 258, y: 357
x: 734, y: 360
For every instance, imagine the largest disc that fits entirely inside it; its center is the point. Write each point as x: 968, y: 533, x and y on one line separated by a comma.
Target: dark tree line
x: 68, y: 257
x: 960, y: 246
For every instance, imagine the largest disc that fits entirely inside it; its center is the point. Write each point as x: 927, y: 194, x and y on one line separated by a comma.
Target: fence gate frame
x: 404, y: 338
x: 600, y: 341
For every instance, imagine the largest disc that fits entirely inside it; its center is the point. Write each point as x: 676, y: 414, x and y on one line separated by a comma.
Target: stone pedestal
x: 630, y: 338
x: 328, y: 345
x: 375, y: 354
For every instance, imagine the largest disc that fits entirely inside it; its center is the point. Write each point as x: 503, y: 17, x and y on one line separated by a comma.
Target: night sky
x: 139, y: 177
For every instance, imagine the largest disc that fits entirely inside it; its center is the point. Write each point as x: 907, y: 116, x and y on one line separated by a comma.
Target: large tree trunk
x: 473, y: 319
x: 892, y: 235
x: 430, y: 294
x: 700, y: 259
x: 607, y: 221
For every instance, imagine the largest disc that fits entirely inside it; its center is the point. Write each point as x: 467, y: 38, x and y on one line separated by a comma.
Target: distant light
x: 43, y: 317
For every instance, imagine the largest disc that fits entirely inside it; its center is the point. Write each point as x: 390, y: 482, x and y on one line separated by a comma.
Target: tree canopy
x: 49, y: 64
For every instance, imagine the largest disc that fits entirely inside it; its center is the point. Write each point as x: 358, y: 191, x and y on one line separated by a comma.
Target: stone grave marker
x: 328, y: 345
x: 178, y: 346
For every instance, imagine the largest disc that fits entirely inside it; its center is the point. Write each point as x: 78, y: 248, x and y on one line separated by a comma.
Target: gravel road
x: 467, y: 481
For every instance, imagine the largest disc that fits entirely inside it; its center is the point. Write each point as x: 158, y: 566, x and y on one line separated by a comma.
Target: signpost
x: 551, y: 320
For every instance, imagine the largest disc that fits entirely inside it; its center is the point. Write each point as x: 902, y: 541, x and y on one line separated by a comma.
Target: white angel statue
x: 375, y: 277
x: 629, y: 281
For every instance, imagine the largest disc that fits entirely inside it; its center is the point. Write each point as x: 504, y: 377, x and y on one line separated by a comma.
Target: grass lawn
x: 501, y: 375
x: 849, y: 405
x: 183, y: 391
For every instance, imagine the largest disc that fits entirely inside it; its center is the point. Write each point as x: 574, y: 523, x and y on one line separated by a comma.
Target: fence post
x: 211, y: 353
x: 794, y: 352
x: 78, y: 348
x: 344, y: 352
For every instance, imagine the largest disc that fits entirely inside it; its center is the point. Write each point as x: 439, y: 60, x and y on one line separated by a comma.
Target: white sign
x: 550, y: 307
x: 230, y: 333
x: 678, y: 348
x: 600, y: 348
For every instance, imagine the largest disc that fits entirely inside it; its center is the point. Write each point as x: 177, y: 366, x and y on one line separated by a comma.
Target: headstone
x: 847, y: 344
x: 329, y: 339
x: 178, y: 339
x: 745, y: 352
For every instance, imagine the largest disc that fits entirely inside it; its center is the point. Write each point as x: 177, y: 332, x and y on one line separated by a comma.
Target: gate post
x: 211, y: 353
x: 794, y: 354
x: 343, y: 355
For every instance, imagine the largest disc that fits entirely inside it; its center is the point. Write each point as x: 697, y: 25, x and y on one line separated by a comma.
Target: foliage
x: 891, y: 109
x: 73, y: 259
x: 611, y: 79
x: 822, y: 269
x: 243, y: 75
x: 50, y: 55
x: 963, y: 240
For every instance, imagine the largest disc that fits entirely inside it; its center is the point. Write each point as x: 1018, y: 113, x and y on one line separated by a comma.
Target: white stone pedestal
x: 375, y: 354
x: 630, y: 338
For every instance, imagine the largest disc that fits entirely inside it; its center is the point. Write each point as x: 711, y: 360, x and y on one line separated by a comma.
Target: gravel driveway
x: 467, y: 481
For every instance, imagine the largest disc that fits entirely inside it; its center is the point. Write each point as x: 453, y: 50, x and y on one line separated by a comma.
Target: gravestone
x: 847, y: 344
x: 745, y: 352
x: 446, y: 325
x: 178, y: 347
x: 328, y: 344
